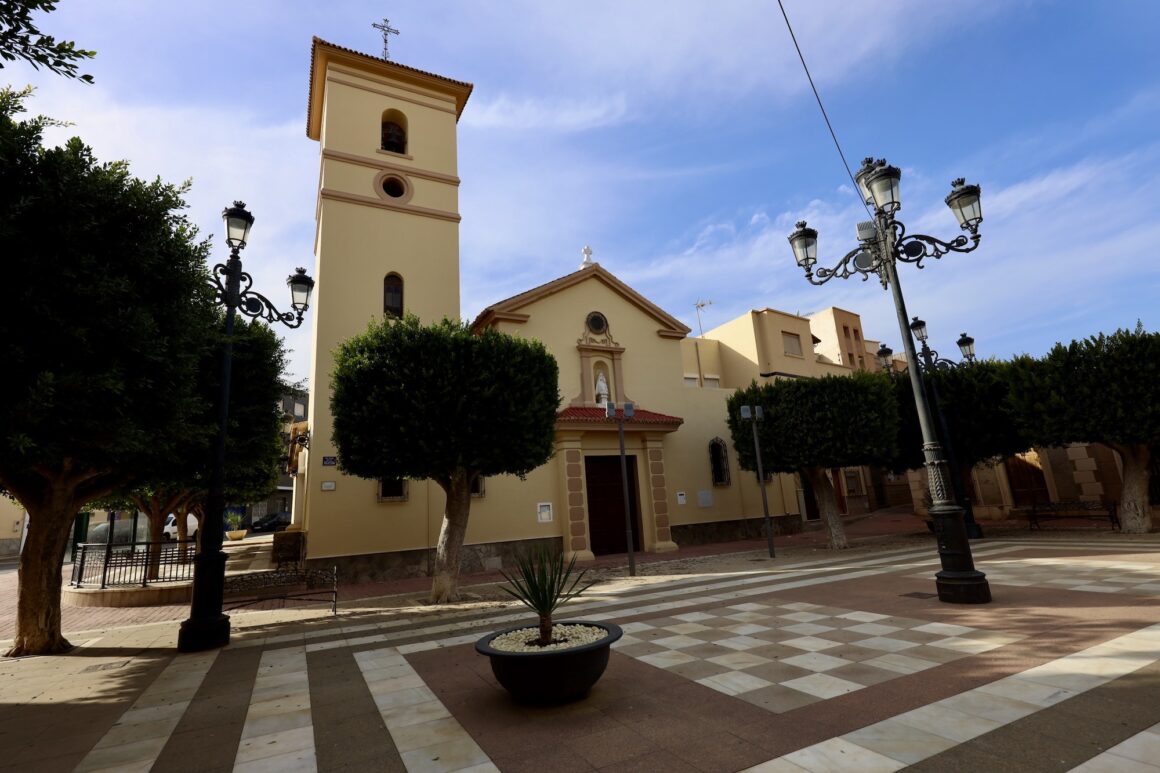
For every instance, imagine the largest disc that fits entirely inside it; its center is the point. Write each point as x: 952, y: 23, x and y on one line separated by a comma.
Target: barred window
x: 393, y: 490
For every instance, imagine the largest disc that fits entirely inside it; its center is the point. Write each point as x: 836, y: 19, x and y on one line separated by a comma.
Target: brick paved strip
x: 207, y: 737
x: 349, y: 732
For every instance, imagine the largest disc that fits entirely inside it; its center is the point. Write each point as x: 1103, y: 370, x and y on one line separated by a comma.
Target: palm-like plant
x: 543, y: 583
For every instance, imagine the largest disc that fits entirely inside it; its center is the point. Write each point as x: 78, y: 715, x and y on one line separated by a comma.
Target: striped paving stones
x: 819, y: 665
x: 784, y: 656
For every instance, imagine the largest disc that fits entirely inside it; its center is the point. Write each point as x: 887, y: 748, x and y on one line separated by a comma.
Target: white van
x: 170, y: 531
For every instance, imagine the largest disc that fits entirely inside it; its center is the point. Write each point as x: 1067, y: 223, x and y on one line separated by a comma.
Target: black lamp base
x: 197, y: 635
x: 963, y: 587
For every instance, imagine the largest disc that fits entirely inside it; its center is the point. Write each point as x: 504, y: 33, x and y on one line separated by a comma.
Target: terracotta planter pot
x: 551, y: 676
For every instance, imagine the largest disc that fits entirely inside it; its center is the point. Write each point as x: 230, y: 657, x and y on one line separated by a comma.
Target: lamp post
x: 207, y: 627
x: 931, y: 362
x: 883, y: 242
x: 620, y: 417
x: 754, y: 414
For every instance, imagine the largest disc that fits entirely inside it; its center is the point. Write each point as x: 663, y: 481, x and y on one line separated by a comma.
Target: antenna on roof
x: 700, y: 305
x: 387, y: 31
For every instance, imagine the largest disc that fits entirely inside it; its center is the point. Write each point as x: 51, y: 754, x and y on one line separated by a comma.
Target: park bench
x: 1092, y: 511
x: 301, y: 585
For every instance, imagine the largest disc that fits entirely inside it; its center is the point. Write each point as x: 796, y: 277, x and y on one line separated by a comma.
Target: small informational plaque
x: 329, y: 485
x: 330, y: 461
x: 682, y: 498
x: 544, y: 512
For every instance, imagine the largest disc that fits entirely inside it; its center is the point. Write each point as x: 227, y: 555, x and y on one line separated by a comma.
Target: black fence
x: 109, y: 565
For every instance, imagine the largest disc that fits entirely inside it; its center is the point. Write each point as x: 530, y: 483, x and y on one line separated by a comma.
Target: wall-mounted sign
x: 544, y: 512
x: 329, y: 461
x: 329, y: 485
x: 681, y: 498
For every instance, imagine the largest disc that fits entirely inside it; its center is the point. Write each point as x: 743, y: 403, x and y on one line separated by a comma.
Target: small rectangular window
x: 712, y: 383
x: 691, y: 381
x: 477, y: 487
x: 792, y: 343
x: 856, y: 336
x: 299, y: 410
x: 846, y: 330
x: 393, y: 490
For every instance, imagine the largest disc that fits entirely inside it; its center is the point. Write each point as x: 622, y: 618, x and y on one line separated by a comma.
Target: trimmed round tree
x: 443, y: 403
x: 1104, y: 389
x: 106, y: 315
x: 813, y: 425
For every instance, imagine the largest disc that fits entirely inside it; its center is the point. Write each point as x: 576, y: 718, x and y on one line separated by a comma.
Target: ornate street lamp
x: 207, y: 627
x: 883, y: 242
x: 930, y: 363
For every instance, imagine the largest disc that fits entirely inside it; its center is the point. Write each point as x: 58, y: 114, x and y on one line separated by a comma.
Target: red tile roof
x: 599, y: 415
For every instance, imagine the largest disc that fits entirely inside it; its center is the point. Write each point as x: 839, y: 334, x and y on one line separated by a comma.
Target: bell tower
x: 386, y: 239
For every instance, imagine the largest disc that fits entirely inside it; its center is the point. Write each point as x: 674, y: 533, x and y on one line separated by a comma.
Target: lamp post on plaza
x: 931, y: 361
x: 883, y: 242
x: 754, y: 414
x: 207, y: 627
x: 626, y: 412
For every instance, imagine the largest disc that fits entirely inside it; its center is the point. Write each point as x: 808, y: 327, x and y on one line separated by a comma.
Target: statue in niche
x: 601, y: 389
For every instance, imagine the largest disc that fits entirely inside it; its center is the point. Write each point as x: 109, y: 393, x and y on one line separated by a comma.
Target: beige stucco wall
x: 11, y: 526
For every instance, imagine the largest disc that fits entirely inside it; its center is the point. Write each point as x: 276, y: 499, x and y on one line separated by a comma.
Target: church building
x: 387, y: 243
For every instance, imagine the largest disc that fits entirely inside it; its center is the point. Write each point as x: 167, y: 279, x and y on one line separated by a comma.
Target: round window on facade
x: 597, y: 323
x: 394, y: 187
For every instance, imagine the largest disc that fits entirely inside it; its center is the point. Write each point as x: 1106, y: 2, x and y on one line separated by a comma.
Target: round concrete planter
x: 551, y: 676
x: 236, y: 535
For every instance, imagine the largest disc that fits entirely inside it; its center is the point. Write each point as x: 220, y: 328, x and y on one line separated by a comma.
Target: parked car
x: 122, y: 532
x: 272, y: 522
x: 170, y: 530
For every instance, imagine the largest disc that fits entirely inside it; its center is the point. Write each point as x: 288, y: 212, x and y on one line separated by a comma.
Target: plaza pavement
x: 816, y: 661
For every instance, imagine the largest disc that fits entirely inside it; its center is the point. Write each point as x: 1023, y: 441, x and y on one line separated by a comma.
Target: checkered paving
x: 1070, y: 573
x: 781, y: 657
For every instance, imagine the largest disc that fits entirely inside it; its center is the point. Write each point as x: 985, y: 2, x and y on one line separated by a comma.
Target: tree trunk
x: 545, y: 630
x: 1135, y: 511
x: 445, y: 585
x: 156, y: 536
x: 828, y: 506
x: 38, y: 606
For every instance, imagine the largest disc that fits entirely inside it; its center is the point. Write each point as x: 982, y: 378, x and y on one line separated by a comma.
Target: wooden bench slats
x: 1092, y: 511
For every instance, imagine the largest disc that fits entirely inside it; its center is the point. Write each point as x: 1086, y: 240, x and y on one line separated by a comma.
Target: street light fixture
x: 754, y: 414
x: 882, y: 243
x: 625, y: 413
x: 207, y: 627
x: 930, y: 363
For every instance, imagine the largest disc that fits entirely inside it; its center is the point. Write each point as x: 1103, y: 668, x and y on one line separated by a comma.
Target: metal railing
x: 110, y: 565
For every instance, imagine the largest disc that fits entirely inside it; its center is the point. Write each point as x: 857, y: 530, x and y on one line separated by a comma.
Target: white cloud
x: 536, y: 115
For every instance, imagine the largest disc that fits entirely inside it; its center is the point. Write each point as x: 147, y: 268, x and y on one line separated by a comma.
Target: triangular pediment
x: 512, y: 309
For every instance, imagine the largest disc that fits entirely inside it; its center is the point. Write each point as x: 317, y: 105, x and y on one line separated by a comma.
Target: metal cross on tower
x: 387, y: 30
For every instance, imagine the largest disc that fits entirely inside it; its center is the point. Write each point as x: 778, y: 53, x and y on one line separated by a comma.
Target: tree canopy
x: 1103, y: 389
x: 441, y: 402
x: 106, y: 318
x: 815, y: 424
x: 21, y: 39
x: 980, y: 416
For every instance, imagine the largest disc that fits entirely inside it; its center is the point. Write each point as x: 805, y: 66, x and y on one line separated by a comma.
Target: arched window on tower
x: 394, y: 131
x: 393, y: 296
x: 719, y: 461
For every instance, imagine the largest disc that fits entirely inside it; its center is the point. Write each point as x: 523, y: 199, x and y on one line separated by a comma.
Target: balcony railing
x: 141, y: 563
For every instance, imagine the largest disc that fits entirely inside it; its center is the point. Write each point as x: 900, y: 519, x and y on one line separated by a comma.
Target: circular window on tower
x: 393, y: 187
x: 597, y: 323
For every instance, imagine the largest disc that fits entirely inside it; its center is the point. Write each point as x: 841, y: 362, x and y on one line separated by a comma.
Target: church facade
x: 387, y: 243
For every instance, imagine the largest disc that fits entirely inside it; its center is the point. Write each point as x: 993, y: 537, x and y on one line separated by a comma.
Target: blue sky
x: 681, y: 141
